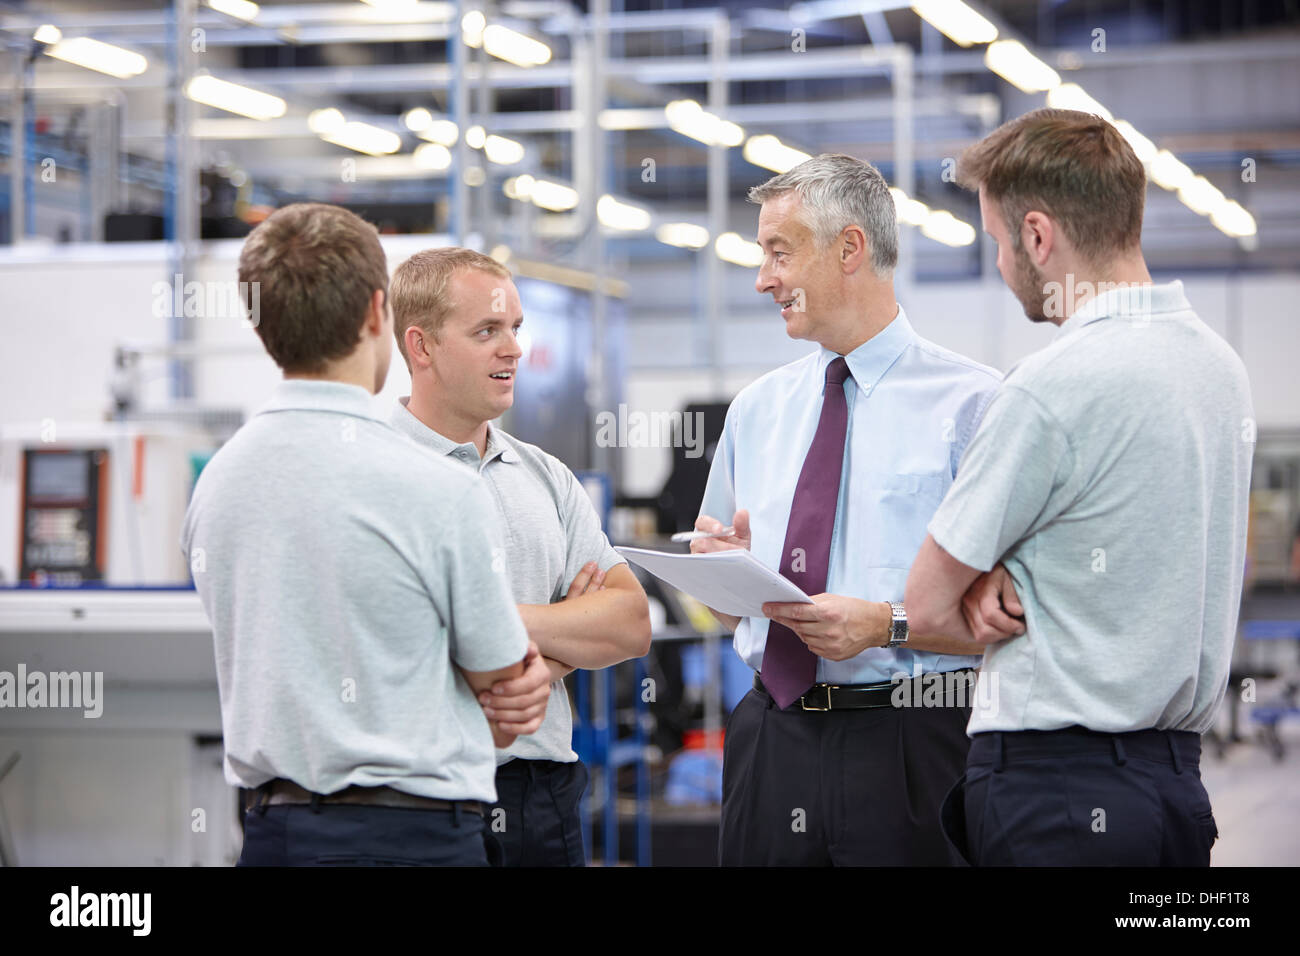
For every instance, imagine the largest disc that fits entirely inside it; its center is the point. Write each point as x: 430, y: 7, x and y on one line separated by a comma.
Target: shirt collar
x: 1128, y: 302
x: 404, y: 420
x: 872, y: 359
x: 322, y: 395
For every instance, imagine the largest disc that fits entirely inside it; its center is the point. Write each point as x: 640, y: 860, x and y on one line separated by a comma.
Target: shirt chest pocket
x: 888, y: 514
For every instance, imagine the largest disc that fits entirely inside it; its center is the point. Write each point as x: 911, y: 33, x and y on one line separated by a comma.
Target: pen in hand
x: 685, y: 536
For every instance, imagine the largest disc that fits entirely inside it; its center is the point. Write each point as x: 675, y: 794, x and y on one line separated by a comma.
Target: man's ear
x: 853, y: 249
x: 416, y: 341
x: 377, y: 314
x: 1038, y: 236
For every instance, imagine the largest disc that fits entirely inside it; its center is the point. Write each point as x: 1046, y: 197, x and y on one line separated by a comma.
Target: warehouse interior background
x: 603, y: 150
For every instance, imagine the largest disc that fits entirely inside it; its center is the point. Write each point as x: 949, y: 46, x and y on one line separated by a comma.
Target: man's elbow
x: 639, y: 631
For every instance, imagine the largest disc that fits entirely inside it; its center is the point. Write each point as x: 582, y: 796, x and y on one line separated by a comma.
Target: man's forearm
x: 729, y: 621
x: 592, y: 631
x: 933, y: 596
x: 946, y: 635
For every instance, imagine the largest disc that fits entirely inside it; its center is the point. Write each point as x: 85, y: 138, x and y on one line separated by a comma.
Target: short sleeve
x: 583, y: 538
x: 484, y: 627
x: 720, y: 490
x: 1014, y: 478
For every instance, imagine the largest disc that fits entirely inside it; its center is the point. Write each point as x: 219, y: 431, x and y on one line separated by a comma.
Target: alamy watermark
x: 1135, y: 300
x: 636, y: 429
x: 963, y: 688
x: 82, y: 690
x: 208, y: 300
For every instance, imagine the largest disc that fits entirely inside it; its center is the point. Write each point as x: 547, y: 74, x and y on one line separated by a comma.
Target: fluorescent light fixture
x: 474, y: 176
x: 519, y: 187
x: 911, y: 211
x: 47, y: 33
x: 417, y: 120
x: 432, y: 156
x: 943, y: 226
x: 234, y: 98
x: 325, y: 121
x: 1145, y: 149
x: 552, y: 196
x: 732, y: 247
x: 770, y: 153
x: 1010, y: 60
x: 1232, y: 219
x: 95, y: 55
x: 1169, y: 172
x: 363, y: 138
x: 690, y: 119
x: 956, y: 21
x: 502, y: 151
x: 239, y: 9
x: 686, y: 235
x: 1201, y: 196
x: 472, y: 25
x: 621, y: 215
x: 514, y: 47
x: 391, y: 4
x: 475, y: 137
x: 1072, y: 96
x: 443, y: 132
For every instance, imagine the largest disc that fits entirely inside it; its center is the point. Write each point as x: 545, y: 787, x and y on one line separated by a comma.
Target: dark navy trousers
x: 536, y: 821
x: 347, y: 835
x: 1075, y: 797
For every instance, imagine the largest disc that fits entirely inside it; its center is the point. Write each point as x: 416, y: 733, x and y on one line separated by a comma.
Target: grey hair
x: 836, y: 191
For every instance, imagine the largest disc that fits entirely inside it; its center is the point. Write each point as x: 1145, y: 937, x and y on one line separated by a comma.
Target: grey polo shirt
x: 345, y: 572
x: 551, y: 531
x: 1111, y: 475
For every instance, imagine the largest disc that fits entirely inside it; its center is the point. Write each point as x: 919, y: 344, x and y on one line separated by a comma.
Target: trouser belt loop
x: 455, y: 813
x: 315, y: 803
x: 1173, y: 752
x: 1000, y: 755
x: 263, y: 798
x: 1120, y: 757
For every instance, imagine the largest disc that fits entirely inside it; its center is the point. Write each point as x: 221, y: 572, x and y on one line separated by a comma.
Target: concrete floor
x: 1256, y: 801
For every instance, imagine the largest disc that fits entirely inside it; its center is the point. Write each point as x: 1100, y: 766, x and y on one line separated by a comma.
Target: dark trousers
x: 1074, y: 797
x: 837, y: 788
x: 349, y: 835
x: 535, y: 821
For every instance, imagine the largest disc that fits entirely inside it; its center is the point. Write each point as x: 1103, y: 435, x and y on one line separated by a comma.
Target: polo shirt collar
x: 405, y: 422
x: 872, y: 359
x: 1149, y: 300
x: 322, y: 395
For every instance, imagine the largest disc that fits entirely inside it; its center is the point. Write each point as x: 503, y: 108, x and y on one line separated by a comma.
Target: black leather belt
x: 280, y: 792
x: 957, y: 692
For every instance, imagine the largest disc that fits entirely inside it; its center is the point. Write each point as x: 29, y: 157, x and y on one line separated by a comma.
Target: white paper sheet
x: 733, y: 582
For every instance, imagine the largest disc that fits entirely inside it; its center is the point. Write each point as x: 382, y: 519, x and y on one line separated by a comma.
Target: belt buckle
x: 803, y: 701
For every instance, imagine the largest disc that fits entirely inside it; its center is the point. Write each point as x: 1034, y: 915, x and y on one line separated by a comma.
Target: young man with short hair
x: 355, y: 614
x: 458, y: 316
x: 1099, y: 523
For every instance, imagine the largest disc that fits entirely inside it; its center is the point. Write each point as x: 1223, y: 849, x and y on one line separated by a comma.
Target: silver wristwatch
x: 898, y: 626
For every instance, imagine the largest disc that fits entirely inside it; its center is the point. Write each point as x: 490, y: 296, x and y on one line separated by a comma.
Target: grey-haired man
x: 829, y: 468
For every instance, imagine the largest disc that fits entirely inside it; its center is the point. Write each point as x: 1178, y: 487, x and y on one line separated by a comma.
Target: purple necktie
x: 789, y: 668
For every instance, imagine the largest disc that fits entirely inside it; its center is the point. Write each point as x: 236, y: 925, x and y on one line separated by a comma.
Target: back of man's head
x: 422, y: 290
x: 317, y: 268
x: 836, y: 191
x: 1074, y: 167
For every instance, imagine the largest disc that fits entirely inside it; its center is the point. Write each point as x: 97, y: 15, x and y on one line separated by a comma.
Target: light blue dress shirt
x: 913, y: 406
